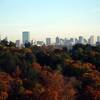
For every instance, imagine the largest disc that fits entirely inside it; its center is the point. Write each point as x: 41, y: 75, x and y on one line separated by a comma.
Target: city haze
x: 51, y: 18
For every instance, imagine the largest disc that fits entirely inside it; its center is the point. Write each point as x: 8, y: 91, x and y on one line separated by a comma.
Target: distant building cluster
x: 92, y: 40
x: 72, y: 41
x: 58, y: 41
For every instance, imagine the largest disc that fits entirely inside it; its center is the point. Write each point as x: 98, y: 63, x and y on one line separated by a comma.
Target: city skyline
x: 49, y: 18
x: 26, y: 37
x: 58, y: 41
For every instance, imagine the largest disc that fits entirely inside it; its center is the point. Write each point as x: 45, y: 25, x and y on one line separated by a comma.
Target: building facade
x: 18, y: 44
x: 48, y: 41
x: 91, y: 40
x: 25, y: 37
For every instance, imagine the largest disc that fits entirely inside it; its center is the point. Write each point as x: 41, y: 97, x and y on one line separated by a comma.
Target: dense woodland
x: 48, y: 73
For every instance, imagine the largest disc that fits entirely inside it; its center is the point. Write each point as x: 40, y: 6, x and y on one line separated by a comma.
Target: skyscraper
x: 25, y: 37
x: 91, y: 40
x: 81, y: 40
x: 18, y: 43
x: 48, y: 41
x: 57, y: 41
x: 98, y: 38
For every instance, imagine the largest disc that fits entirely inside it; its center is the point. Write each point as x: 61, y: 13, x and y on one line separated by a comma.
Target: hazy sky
x: 49, y: 18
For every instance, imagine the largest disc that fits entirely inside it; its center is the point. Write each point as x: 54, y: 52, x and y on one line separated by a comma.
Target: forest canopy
x: 49, y: 73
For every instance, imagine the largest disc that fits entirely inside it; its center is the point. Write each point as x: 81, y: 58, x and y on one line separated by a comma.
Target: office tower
x: 72, y: 41
x: 81, y: 40
x: 18, y: 43
x: 65, y: 41
x: 98, y: 38
x: 57, y: 41
x: 25, y: 37
x: 48, y: 41
x: 91, y: 40
x: 61, y: 42
x: 85, y: 41
x: 76, y: 40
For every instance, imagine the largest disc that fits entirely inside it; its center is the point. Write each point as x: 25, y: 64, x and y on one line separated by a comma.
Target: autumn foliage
x: 49, y: 73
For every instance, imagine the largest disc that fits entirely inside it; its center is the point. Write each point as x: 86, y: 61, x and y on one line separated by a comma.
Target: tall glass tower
x: 25, y: 37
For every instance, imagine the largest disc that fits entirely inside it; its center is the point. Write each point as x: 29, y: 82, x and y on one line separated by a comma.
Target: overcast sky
x: 64, y: 18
